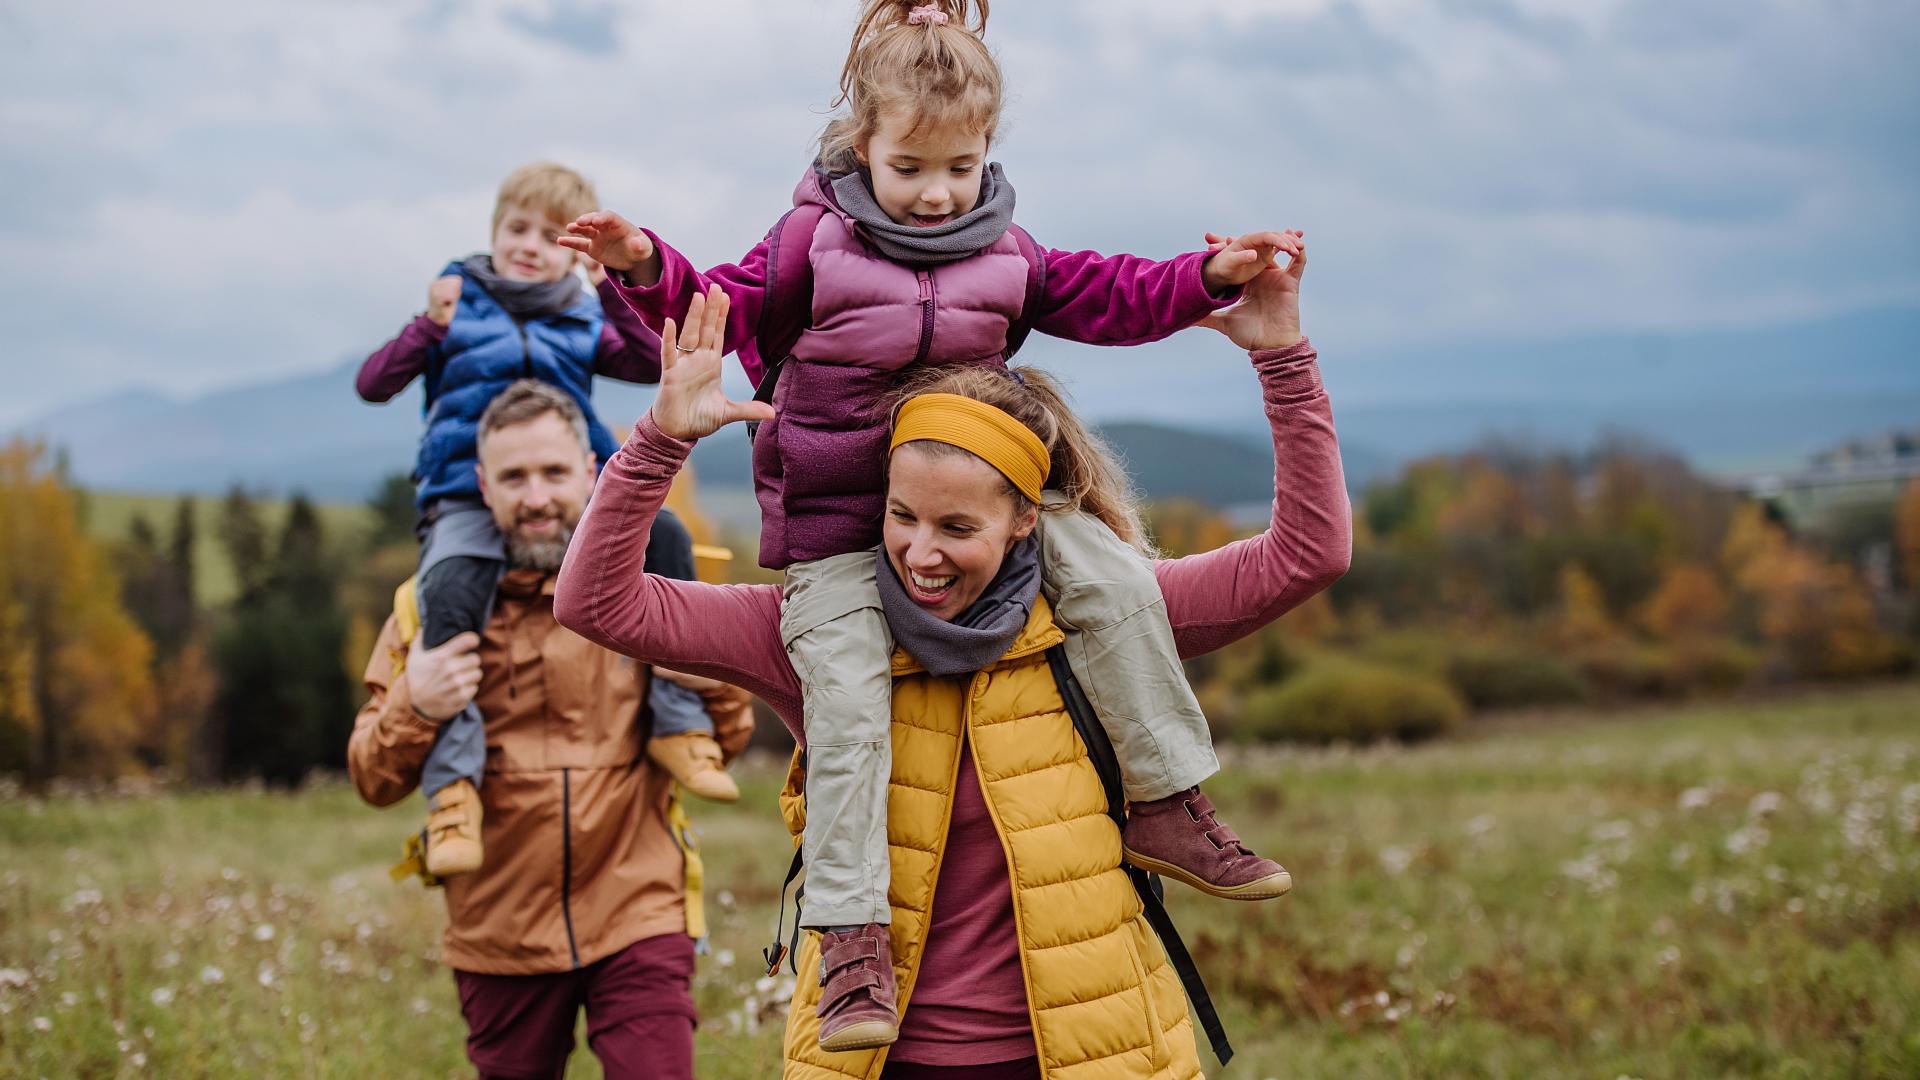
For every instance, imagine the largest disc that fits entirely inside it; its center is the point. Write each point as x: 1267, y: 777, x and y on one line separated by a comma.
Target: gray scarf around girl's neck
x: 523, y: 299
x: 948, y: 242
x: 977, y: 636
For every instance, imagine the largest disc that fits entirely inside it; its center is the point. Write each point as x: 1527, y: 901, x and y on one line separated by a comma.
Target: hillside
x: 110, y: 515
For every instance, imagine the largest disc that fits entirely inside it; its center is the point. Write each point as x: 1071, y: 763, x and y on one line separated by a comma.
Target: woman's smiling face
x: 950, y: 523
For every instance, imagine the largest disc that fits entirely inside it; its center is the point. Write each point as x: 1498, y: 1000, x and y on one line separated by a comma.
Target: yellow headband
x: 980, y: 429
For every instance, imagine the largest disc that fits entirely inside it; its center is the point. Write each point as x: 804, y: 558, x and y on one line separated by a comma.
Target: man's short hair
x: 553, y: 190
x: 529, y: 400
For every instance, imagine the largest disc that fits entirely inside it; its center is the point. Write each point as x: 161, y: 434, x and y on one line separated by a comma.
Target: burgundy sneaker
x: 858, y: 999
x: 1179, y: 837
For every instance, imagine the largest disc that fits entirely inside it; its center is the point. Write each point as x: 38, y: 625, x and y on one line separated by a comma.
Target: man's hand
x: 1237, y: 259
x: 442, y: 297
x: 442, y: 680
x: 616, y: 243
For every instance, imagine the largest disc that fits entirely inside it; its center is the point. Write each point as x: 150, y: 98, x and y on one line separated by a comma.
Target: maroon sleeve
x: 725, y: 632
x: 745, y: 283
x: 397, y: 363
x: 1220, y: 596
x: 1123, y: 299
x: 629, y: 349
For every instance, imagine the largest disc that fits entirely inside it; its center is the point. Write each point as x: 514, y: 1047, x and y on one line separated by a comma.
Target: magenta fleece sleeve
x: 732, y: 632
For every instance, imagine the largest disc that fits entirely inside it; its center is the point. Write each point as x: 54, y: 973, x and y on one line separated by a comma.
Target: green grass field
x: 1709, y: 891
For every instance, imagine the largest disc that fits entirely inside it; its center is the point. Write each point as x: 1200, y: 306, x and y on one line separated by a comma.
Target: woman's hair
x: 936, y: 71
x: 1084, y: 470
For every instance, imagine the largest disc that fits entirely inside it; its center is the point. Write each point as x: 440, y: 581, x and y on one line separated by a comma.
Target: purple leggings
x: 640, y: 1016
x: 1024, y: 1069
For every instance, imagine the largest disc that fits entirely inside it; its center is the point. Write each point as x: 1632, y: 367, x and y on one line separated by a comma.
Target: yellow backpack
x: 406, y: 616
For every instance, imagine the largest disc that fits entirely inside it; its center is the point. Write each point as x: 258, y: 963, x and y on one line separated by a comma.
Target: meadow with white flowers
x: 1716, y: 890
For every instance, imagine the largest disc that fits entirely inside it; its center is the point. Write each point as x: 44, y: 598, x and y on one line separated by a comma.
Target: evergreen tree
x: 284, y: 702
x: 394, y: 512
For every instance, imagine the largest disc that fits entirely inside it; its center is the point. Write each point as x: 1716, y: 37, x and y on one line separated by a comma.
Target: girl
x: 913, y: 260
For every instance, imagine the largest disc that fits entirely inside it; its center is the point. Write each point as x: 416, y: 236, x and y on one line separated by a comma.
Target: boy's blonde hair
x: 937, y: 71
x: 553, y: 190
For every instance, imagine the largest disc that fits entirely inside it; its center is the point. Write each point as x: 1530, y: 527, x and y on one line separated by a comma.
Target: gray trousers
x: 1118, y: 641
x: 461, y: 554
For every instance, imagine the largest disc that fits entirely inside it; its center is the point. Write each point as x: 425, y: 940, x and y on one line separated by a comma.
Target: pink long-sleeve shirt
x: 969, y: 1004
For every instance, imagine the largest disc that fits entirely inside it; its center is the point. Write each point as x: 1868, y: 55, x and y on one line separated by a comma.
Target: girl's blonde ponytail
x: 924, y: 60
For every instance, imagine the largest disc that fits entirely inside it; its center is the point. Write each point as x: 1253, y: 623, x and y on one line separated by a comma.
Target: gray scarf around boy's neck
x: 977, y: 636
x: 523, y: 299
x: 952, y: 241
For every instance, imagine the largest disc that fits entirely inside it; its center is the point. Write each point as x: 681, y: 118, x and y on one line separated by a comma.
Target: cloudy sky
x: 201, y: 195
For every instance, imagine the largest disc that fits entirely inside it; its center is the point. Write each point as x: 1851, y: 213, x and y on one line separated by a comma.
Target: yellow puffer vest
x: 1106, y: 1004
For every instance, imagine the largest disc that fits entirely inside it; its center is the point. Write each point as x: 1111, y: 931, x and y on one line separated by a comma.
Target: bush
x: 1506, y: 676
x: 1624, y: 669
x: 1710, y: 665
x: 1352, y: 701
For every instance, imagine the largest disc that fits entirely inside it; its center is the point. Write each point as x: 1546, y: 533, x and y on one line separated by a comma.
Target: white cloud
x: 204, y: 194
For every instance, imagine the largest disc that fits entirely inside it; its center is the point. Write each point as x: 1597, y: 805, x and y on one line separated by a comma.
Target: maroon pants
x: 1024, y: 1069
x: 640, y: 1016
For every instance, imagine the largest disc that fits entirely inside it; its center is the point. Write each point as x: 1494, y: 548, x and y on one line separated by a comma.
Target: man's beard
x: 544, y: 554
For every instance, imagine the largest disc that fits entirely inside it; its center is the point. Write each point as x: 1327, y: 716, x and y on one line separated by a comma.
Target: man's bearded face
x: 536, y: 478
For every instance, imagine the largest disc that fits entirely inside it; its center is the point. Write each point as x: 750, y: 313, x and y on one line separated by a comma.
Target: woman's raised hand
x: 1268, y: 314
x: 691, y: 404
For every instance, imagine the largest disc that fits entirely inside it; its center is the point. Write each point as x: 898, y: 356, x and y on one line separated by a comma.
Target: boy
x: 519, y: 311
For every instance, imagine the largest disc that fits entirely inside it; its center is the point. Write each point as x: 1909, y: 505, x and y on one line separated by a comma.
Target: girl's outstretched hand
x: 1237, y: 259
x: 1268, y: 315
x: 691, y: 405
x: 610, y: 240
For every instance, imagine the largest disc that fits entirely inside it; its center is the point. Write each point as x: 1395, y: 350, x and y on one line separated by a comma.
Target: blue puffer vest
x: 484, y: 352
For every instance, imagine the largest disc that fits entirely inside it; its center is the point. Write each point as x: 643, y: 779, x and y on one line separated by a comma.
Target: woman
x: 1018, y: 945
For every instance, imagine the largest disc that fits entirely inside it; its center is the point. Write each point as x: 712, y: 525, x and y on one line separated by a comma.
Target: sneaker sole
x: 1266, y: 888
x: 866, y: 1035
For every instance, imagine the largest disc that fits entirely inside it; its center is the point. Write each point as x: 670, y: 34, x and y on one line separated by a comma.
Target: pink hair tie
x: 927, y: 13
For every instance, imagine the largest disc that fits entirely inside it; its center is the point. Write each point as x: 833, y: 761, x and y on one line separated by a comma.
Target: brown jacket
x: 579, y: 859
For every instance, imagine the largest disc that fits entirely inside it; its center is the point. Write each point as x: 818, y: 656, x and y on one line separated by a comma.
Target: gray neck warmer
x: 977, y: 636
x: 952, y: 241
x: 523, y: 299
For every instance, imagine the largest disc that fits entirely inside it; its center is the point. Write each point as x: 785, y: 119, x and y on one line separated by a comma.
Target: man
x: 580, y: 901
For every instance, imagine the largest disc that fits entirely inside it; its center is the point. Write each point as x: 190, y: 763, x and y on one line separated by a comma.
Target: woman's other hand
x: 691, y: 403
x: 1268, y: 314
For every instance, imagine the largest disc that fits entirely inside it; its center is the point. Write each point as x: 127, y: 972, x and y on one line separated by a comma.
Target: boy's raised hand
x: 691, y: 403
x: 1236, y: 260
x: 612, y: 241
x: 443, y: 296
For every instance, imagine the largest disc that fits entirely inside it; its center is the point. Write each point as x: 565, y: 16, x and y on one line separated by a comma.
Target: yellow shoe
x: 453, y: 830
x: 694, y: 759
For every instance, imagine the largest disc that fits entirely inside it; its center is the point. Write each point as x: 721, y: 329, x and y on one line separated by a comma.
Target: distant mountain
x: 1734, y: 402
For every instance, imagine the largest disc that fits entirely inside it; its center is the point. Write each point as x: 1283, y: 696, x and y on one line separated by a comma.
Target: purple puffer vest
x: 819, y: 466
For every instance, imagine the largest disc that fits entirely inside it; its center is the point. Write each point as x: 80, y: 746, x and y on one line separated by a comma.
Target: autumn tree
x: 74, y: 685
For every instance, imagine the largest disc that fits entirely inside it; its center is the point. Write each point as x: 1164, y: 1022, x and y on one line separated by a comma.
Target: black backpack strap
x: 788, y: 950
x: 1036, y: 289
x: 787, y: 300
x: 1100, y: 750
